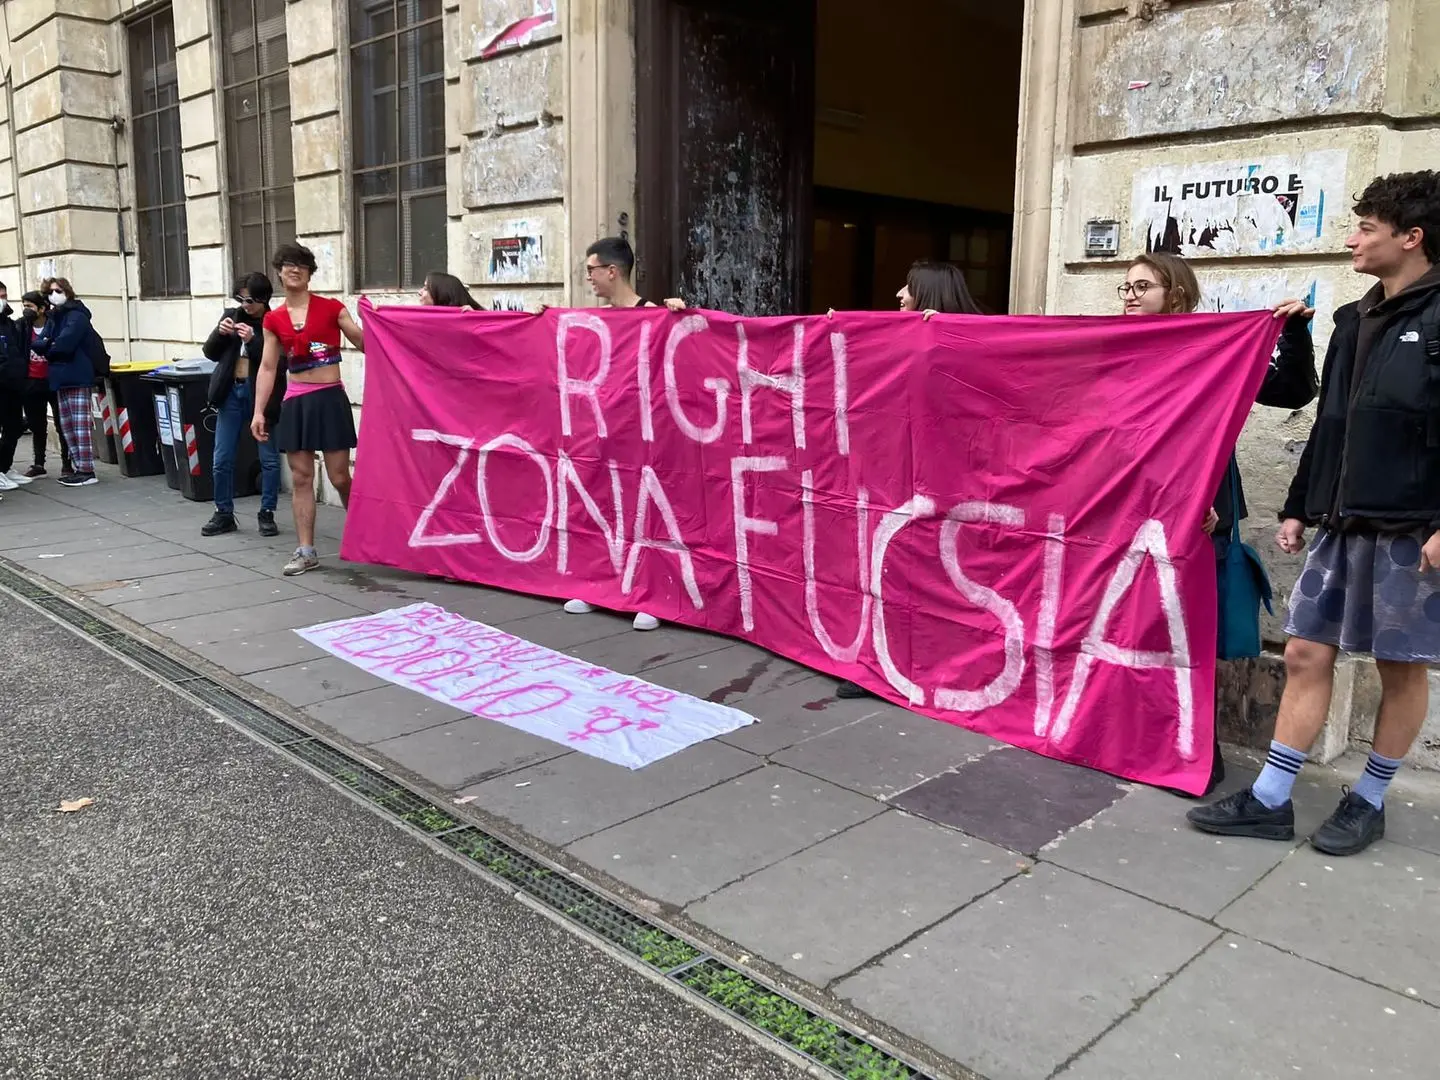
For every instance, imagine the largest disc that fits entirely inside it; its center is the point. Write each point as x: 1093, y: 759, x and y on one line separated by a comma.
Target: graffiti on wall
x: 1256, y: 207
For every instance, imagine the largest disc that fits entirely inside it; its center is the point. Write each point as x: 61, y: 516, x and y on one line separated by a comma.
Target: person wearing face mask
x: 1163, y: 284
x: 38, y: 401
x: 237, y: 346
x: 14, y: 366
x: 72, y: 348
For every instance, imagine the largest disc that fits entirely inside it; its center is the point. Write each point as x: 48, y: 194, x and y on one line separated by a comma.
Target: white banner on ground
x: 498, y: 676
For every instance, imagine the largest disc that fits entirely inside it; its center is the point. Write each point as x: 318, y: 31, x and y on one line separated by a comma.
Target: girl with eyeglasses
x: 315, y: 415
x: 1163, y: 284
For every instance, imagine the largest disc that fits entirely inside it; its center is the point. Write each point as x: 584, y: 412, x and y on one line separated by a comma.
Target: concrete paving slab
x: 1019, y: 981
x: 556, y: 630
x: 271, y: 560
x: 1143, y: 843
x: 1413, y: 824
x: 218, y: 601
x: 576, y: 795
x: 1372, y: 916
x: 187, y: 531
x: 315, y: 680
x: 466, y: 751
x: 203, y: 580
x: 695, y: 846
x: 704, y: 666
x: 1013, y: 798
x: 797, y: 711
x: 376, y: 715
x: 31, y: 512
x: 126, y: 565
x: 886, y: 753
x: 80, y: 541
x: 1244, y: 1011
x: 679, y: 661
x: 286, y: 615
x: 259, y: 652
x: 826, y: 911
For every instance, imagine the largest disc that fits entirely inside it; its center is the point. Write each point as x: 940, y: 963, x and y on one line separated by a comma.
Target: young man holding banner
x: 609, y: 266
x: 1370, y: 479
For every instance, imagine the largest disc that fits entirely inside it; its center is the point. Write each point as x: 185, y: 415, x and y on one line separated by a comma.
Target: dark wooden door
x: 725, y: 132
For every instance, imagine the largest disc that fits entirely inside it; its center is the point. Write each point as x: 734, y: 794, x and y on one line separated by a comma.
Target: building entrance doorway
x: 799, y: 155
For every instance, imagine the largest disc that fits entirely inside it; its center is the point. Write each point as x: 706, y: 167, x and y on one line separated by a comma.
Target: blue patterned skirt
x: 1364, y: 593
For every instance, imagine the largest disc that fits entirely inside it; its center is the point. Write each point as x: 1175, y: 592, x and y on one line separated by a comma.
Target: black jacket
x: 14, y: 354
x: 1373, y: 456
x: 1289, y: 384
x: 224, y: 349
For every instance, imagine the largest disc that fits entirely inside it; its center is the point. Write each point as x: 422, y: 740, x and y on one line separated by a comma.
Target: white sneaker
x: 6, y: 484
x: 577, y: 607
x: 646, y: 622
x: 18, y: 477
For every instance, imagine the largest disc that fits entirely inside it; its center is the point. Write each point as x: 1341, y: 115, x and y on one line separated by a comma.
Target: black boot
x: 267, y: 523
x: 219, y: 524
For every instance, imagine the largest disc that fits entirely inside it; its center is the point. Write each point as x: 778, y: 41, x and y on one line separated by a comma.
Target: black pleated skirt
x: 318, y: 421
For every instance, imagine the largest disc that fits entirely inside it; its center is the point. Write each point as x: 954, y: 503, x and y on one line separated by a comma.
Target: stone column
x: 64, y: 78
x: 513, y: 169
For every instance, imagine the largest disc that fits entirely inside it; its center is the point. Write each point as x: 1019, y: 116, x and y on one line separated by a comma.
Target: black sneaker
x: 219, y: 524
x: 34, y: 472
x: 849, y: 691
x: 1217, y: 777
x: 267, y: 523
x: 1242, y: 814
x: 1352, y: 828
x: 78, y: 479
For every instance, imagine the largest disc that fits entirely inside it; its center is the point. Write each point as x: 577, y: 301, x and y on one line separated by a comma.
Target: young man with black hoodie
x: 236, y: 345
x: 1369, y: 478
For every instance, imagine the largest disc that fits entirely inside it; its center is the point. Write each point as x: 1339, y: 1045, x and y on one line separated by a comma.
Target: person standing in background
x: 237, y: 347
x: 69, y: 344
x: 39, y: 399
x: 446, y: 290
x: 14, y: 372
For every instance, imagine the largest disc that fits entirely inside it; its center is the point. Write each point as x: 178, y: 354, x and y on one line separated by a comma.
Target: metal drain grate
x: 839, y: 1051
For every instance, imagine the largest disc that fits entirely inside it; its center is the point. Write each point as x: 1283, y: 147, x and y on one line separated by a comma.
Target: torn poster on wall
x: 515, y: 34
x: 516, y: 258
x: 1256, y: 292
x: 1252, y: 207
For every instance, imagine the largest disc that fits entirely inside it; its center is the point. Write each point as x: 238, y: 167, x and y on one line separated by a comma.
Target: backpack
x: 99, y: 358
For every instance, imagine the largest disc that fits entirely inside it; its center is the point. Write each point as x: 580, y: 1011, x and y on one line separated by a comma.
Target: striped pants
x: 77, y: 425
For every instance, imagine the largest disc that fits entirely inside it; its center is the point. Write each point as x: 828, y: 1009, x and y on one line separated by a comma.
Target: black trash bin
x: 162, y: 426
x: 192, y: 433
x: 137, y: 440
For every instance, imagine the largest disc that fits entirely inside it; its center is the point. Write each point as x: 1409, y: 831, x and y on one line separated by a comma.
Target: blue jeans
x: 233, y: 420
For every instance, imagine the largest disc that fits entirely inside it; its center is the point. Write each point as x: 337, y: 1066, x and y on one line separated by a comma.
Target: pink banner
x: 993, y: 521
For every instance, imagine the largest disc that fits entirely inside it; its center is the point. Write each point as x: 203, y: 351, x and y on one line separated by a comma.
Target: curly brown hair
x: 1406, y: 201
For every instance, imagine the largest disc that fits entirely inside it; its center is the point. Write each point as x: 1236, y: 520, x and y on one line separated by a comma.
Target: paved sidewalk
x: 1021, y: 917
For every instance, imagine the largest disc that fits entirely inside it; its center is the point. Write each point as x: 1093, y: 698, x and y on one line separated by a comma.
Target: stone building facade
x: 150, y: 150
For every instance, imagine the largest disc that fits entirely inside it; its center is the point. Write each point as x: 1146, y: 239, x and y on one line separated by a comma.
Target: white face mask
x: 58, y: 298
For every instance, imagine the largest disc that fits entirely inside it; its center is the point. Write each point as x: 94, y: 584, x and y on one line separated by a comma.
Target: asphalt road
x: 218, y: 912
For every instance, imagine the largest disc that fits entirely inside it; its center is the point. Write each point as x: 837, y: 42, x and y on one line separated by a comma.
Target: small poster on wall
x: 1256, y: 207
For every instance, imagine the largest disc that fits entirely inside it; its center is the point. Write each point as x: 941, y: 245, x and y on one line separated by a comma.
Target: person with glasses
x: 609, y: 266
x: 315, y: 415
x: 1163, y: 284
x: 237, y: 347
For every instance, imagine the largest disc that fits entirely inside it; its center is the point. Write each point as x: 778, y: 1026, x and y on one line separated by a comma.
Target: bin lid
x: 133, y: 367
x: 185, y: 369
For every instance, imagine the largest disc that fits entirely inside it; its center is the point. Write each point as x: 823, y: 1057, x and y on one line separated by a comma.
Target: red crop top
x: 317, y: 343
